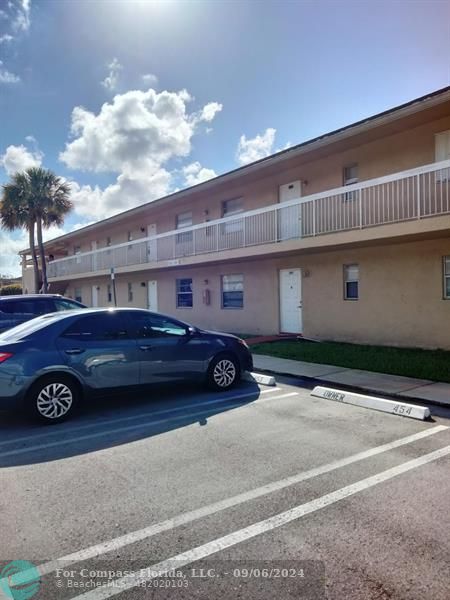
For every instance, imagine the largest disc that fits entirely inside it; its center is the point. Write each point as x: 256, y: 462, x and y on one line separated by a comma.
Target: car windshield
x: 28, y: 328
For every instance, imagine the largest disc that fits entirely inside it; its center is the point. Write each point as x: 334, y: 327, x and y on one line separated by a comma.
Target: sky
x: 131, y: 100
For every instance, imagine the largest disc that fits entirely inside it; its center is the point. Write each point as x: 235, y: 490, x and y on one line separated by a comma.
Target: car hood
x: 219, y: 334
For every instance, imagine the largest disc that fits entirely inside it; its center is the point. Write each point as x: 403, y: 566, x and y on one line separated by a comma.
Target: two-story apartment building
x: 343, y: 237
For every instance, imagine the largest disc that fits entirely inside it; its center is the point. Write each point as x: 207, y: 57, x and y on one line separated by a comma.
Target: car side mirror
x: 191, y: 331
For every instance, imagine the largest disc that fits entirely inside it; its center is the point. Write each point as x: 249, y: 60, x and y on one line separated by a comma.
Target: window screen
x: 351, y: 282
x: 233, y: 291
x: 184, y: 293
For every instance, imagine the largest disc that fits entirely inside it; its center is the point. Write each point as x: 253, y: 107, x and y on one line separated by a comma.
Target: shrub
x: 10, y: 290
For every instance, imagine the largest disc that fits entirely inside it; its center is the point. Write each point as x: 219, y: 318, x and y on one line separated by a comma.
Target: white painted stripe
x: 140, y: 416
x: 68, y: 440
x: 390, y: 406
x: 205, y: 511
x: 247, y: 533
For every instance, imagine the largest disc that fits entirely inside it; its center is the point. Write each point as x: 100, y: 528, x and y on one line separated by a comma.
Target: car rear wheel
x: 53, y: 399
x: 223, y: 372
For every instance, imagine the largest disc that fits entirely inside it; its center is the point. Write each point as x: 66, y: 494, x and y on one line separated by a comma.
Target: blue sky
x: 131, y: 100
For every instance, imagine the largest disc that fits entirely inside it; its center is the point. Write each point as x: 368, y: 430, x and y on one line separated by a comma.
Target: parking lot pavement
x: 253, y: 493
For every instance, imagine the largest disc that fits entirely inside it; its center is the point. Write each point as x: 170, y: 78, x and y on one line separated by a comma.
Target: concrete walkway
x: 368, y: 381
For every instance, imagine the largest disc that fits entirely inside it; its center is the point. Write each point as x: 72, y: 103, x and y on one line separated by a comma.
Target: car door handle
x: 74, y: 351
x: 145, y: 348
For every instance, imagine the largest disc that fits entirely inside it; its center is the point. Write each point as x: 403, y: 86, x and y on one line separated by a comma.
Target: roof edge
x: 391, y: 114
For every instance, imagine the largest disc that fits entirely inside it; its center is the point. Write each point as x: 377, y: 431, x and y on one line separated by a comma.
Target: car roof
x: 28, y: 296
x: 112, y: 309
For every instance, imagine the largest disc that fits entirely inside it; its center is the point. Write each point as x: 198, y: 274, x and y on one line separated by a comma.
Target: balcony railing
x: 409, y: 195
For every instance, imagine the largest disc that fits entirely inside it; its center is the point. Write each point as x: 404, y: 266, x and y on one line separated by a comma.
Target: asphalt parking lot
x: 255, y: 493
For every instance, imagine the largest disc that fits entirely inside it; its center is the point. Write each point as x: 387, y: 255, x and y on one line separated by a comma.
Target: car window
x: 8, y: 306
x: 25, y: 330
x: 43, y: 306
x: 95, y: 327
x: 63, y: 304
x: 31, y: 306
x: 151, y: 325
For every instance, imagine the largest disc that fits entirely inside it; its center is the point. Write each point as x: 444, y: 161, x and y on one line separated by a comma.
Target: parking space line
x: 256, y: 529
x: 68, y: 440
x: 140, y: 416
x: 205, y: 511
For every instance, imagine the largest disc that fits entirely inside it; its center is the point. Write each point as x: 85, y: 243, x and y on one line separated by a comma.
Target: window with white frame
x: 184, y: 220
x: 231, y: 208
x: 351, y: 282
x: 130, y: 292
x: 77, y: 251
x: 350, y: 176
x: 233, y: 291
x: 184, y: 292
x: 446, y: 272
x: 78, y: 294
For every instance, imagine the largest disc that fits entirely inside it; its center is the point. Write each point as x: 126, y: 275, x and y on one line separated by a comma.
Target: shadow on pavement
x: 115, y: 420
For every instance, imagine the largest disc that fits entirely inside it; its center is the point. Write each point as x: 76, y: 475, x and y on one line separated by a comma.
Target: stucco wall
x: 401, y: 295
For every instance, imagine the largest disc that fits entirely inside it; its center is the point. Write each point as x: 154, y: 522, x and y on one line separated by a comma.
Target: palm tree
x: 15, y: 214
x: 33, y: 200
x: 50, y: 198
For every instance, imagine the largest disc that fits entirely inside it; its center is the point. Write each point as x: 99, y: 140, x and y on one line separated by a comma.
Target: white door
x: 289, y: 218
x: 152, y: 296
x: 151, y: 244
x: 94, y: 296
x: 291, y: 301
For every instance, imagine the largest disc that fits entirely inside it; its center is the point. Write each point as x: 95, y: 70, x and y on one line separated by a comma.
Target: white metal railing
x: 413, y: 194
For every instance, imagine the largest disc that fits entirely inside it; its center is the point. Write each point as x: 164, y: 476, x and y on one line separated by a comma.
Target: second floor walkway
x: 401, y: 197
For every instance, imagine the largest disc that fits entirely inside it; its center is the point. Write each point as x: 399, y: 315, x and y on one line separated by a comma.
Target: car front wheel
x: 223, y: 372
x: 53, y: 399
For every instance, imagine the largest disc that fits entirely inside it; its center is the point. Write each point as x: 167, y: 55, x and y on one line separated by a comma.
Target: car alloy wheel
x: 54, y: 401
x: 224, y: 373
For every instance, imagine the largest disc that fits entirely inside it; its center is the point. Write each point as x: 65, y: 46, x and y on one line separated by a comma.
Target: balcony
x: 407, y: 196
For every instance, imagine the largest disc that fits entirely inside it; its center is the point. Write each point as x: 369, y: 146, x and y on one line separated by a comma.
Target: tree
x: 15, y: 214
x: 33, y: 200
x: 51, y: 199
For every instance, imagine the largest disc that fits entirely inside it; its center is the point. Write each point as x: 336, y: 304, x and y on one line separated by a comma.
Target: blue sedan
x: 49, y: 364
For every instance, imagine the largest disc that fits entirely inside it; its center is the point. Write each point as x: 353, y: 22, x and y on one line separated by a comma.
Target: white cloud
x: 136, y: 132
x: 111, y: 80
x: 16, y: 15
x: 127, y: 192
x: 149, y: 79
x: 10, y: 245
x: 22, y: 19
x: 81, y: 225
x: 19, y: 158
x: 210, y: 110
x: 195, y: 173
x: 6, y: 76
x: 55, y: 231
x: 135, y: 136
x: 252, y: 149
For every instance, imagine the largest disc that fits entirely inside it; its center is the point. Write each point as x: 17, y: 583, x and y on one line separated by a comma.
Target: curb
x: 354, y: 388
